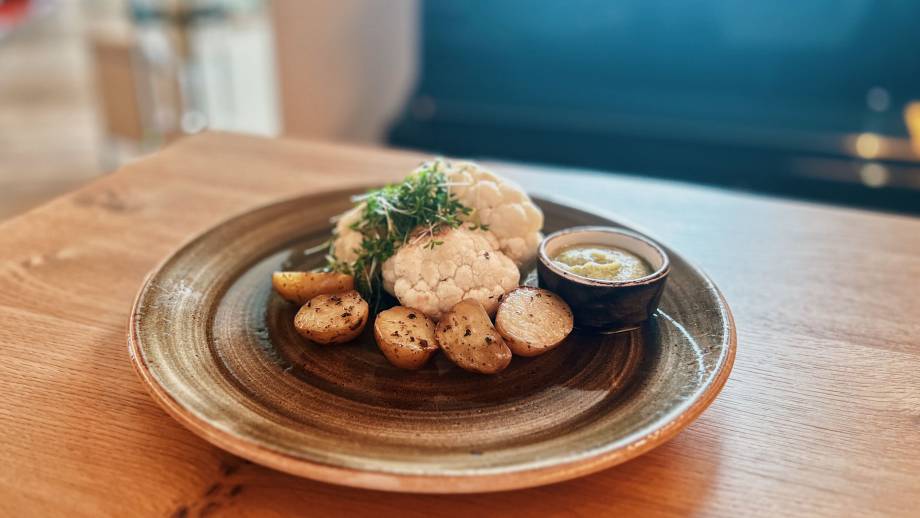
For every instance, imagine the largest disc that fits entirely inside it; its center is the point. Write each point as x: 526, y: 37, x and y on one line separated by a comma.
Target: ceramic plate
x: 217, y: 349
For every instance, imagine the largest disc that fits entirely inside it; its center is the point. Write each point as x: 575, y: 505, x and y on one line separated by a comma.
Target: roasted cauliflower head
x: 481, y: 259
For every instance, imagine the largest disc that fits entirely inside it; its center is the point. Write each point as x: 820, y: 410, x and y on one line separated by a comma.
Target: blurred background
x: 815, y: 100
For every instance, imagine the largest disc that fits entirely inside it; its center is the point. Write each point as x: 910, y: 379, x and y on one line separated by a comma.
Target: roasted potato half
x: 405, y: 336
x: 300, y: 287
x: 533, y: 321
x: 467, y: 337
x: 332, y: 319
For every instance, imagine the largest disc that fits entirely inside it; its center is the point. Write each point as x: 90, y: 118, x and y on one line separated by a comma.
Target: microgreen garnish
x: 417, y: 208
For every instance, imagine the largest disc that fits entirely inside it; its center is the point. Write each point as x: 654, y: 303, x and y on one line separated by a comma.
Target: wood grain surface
x: 820, y: 416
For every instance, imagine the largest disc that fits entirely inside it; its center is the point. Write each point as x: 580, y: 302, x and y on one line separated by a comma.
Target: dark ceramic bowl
x: 603, y: 305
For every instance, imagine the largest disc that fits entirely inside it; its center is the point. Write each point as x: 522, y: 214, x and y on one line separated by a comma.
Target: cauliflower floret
x: 500, y: 205
x: 347, y: 241
x: 467, y: 264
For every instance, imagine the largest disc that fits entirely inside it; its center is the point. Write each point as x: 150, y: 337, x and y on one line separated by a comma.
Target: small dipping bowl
x: 604, y: 305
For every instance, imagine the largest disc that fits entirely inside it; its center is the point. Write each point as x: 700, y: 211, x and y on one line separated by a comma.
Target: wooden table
x: 821, y: 414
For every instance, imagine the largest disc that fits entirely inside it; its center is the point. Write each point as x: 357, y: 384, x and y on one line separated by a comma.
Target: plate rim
x: 567, y: 469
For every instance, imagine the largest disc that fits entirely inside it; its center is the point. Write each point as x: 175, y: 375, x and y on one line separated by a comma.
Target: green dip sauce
x: 602, y: 262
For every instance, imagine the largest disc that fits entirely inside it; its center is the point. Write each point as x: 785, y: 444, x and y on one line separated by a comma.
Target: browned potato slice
x: 299, y: 287
x: 332, y: 319
x: 467, y: 337
x: 533, y: 320
x: 405, y: 336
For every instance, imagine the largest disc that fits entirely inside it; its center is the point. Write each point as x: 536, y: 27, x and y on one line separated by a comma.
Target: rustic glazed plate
x: 218, y: 351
